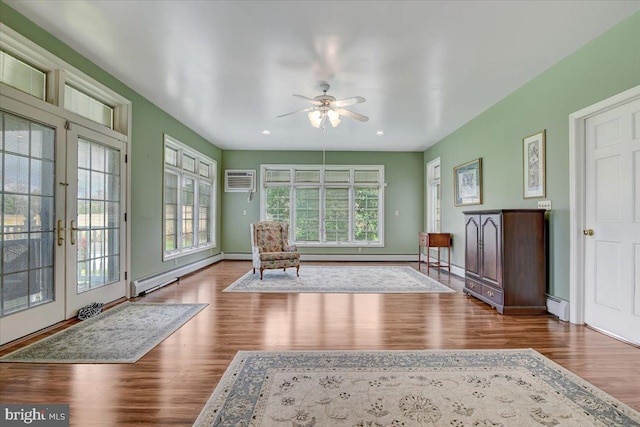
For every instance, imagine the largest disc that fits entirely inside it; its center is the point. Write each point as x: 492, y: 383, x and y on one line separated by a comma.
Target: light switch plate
x: 544, y: 204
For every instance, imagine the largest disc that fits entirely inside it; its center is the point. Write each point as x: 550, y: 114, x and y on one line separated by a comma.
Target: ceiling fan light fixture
x: 334, y: 117
x: 327, y: 108
x: 315, y: 117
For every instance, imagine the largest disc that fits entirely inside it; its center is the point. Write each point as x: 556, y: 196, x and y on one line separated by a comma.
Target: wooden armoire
x: 506, y: 259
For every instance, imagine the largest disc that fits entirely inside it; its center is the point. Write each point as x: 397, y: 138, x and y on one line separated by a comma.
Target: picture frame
x: 467, y: 183
x: 533, y: 164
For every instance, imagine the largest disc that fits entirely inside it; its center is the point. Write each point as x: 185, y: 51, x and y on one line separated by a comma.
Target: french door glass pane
x: 98, y: 221
x: 336, y: 208
x: 307, y: 214
x: 27, y: 199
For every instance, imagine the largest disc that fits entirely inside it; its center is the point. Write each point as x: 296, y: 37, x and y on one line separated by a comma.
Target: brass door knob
x: 588, y: 232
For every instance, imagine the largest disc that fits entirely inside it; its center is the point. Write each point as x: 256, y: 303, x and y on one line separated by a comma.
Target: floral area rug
x: 122, y: 334
x: 347, y: 279
x: 407, y: 388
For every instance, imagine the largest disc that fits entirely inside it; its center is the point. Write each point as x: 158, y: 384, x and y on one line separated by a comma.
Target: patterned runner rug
x: 340, y: 279
x: 407, y: 388
x: 122, y: 334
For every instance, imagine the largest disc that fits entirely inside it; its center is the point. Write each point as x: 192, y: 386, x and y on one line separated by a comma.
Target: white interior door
x: 95, y: 212
x: 32, y: 178
x: 612, y: 218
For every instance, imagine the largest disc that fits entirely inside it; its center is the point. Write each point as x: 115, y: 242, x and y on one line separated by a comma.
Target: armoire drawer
x: 473, y: 286
x: 493, y: 294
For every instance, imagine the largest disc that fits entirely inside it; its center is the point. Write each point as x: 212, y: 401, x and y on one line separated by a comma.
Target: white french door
x: 63, y: 240
x: 32, y: 271
x: 95, y: 218
x: 612, y: 218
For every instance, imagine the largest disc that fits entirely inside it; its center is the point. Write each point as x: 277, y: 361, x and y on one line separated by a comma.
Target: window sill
x: 176, y: 255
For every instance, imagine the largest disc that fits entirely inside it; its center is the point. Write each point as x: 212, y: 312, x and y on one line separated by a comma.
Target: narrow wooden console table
x: 435, y: 240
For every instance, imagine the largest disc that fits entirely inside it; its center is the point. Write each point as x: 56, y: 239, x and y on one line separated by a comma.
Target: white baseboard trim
x: 356, y: 257
x: 558, y: 307
x: 152, y: 283
x: 335, y: 257
x: 455, y: 270
x: 236, y: 256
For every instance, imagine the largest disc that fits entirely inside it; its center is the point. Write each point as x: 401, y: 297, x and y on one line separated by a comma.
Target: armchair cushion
x: 274, y: 256
x: 269, y: 236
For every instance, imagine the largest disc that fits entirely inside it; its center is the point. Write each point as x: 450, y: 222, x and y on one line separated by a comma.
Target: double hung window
x: 326, y: 205
x: 189, y: 215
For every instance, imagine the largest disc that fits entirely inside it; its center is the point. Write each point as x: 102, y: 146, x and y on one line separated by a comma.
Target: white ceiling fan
x: 326, y: 107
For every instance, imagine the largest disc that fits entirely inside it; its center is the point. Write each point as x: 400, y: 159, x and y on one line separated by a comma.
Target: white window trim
x: 185, y: 149
x: 429, y: 208
x: 322, y: 185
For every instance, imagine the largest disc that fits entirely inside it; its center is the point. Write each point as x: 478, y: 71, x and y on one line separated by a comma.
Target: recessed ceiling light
x: 380, y: 133
x: 265, y: 132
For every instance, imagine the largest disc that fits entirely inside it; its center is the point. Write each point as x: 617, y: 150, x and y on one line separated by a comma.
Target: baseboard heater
x: 151, y: 283
x: 558, y: 307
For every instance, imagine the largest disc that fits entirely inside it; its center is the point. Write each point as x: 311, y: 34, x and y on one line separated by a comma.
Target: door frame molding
x: 577, y: 208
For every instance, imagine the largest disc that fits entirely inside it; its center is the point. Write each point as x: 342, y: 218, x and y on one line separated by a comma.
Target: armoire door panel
x: 491, y: 253
x: 472, y: 261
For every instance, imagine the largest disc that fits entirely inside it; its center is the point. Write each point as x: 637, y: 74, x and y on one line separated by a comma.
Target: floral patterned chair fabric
x: 270, y: 247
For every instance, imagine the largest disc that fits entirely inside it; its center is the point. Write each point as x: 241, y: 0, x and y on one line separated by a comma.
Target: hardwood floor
x: 170, y: 385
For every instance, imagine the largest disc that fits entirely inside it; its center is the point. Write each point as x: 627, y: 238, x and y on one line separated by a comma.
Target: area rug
x: 340, y: 279
x: 122, y: 334
x: 407, y: 388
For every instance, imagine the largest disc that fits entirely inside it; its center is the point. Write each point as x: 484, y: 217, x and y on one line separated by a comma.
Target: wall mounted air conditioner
x: 239, y: 181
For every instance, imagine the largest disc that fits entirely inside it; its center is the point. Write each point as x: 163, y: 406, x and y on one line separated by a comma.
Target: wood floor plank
x: 170, y: 385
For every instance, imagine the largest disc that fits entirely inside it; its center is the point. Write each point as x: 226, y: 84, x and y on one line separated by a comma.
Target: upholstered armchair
x: 270, y: 247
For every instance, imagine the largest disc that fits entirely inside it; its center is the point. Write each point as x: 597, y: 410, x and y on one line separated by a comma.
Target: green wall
x: 404, y: 192
x: 146, y: 148
x: 604, y: 67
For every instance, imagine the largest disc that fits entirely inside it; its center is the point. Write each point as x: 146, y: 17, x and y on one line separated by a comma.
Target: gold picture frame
x: 533, y: 164
x: 467, y: 183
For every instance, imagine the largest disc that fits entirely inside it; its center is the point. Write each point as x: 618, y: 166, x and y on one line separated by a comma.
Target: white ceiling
x: 226, y: 69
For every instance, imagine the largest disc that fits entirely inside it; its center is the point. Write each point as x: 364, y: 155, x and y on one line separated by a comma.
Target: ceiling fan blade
x: 306, y: 98
x: 352, y: 115
x: 304, y: 110
x: 347, y: 101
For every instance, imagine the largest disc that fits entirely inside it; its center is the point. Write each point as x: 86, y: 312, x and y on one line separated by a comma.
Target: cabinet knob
x: 490, y: 293
x: 588, y: 232
x: 471, y: 285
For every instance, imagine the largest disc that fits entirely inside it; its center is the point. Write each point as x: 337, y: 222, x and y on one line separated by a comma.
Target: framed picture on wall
x: 467, y: 183
x: 533, y: 155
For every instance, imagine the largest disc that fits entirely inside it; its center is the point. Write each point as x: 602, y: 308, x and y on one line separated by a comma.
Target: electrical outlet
x: 244, y: 212
x: 544, y: 204
x: 397, y: 212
